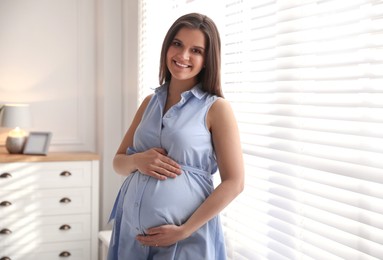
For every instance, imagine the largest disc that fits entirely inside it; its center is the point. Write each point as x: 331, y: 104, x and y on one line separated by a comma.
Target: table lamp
x: 16, y: 116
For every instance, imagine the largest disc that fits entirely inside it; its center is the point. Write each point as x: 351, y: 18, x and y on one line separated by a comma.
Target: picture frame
x: 37, y: 143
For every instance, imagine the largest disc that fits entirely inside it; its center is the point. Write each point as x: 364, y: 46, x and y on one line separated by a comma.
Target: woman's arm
x: 224, y: 129
x: 152, y: 162
x: 228, y: 150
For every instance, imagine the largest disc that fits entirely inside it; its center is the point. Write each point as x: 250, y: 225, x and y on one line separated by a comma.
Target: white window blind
x: 305, y: 79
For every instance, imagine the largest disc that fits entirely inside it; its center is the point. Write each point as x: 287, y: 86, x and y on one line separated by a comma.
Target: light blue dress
x: 145, y: 202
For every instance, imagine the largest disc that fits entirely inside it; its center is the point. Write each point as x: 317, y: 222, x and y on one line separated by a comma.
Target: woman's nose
x: 185, y: 54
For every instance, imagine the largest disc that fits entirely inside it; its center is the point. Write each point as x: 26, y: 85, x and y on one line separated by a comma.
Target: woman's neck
x: 177, y: 87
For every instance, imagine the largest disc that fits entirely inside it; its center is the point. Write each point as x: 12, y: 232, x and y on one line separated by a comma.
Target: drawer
x: 39, y: 229
x: 28, y: 202
x: 44, y: 175
x: 68, y: 250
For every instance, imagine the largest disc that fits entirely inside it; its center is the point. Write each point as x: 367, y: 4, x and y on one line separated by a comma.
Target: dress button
x: 136, y: 204
x: 145, y: 179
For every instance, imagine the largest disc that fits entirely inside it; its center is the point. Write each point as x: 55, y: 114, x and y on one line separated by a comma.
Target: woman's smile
x: 181, y: 65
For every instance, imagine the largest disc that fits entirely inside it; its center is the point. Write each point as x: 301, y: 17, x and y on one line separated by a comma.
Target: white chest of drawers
x: 49, y: 206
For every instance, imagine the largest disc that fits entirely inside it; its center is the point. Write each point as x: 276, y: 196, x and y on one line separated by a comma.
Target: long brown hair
x: 210, y: 75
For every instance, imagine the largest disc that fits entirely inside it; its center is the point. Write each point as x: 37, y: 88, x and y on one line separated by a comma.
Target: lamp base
x: 15, y: 145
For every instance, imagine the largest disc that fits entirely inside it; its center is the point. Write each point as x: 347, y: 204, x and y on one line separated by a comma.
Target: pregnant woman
x: 167, y: 208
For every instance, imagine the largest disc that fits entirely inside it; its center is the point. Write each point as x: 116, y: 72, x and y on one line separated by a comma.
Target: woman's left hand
x: 165, y: 235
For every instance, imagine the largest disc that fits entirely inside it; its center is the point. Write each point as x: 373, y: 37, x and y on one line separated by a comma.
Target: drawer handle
x: 5, y: 204
x: 5, y: 258
x: 65, y: 174
x: 64, y: 254
x: 65, y: 227
x: 5, y: 231
x: 5, y: 175
x: 65, y: 200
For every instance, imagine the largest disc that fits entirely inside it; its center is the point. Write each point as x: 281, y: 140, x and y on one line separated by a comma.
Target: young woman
x: 167, y: 207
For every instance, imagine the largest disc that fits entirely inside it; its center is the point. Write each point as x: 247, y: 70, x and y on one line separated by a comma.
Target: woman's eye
x: 175, y: 43
x: 197, y: 51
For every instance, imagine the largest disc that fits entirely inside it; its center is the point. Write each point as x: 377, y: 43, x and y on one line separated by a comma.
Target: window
x: 305, y: 79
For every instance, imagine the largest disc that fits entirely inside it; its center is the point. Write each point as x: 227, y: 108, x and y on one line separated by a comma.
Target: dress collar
x: 196, y: 90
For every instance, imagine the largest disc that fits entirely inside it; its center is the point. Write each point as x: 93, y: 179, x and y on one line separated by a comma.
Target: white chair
x: 104, y: 237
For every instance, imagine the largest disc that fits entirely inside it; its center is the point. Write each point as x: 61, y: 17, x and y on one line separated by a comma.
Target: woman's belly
x: 150, y: 202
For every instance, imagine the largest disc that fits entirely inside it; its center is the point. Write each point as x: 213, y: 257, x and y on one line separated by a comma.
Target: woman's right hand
x: 155, y: 162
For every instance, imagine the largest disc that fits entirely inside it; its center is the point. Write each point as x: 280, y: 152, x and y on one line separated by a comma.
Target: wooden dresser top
x: 5, y: 157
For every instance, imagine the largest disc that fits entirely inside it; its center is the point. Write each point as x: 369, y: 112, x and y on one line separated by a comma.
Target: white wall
x: 117, y: 81
x: 47, y: 60
x: 74, y: 62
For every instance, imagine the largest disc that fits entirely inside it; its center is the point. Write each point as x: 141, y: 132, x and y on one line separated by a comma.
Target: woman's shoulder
x: 146, y: 100
x: 144, y: 105
x: 220, y: 113
x: 220, y: 105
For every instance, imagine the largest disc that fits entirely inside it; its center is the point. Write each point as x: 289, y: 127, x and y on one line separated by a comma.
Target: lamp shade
x: 16, y: 115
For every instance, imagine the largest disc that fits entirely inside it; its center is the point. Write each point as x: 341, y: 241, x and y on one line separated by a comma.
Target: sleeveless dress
x: 144, y: 202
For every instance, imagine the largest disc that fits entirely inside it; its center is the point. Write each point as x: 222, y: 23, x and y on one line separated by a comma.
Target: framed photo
x: 37, y: 143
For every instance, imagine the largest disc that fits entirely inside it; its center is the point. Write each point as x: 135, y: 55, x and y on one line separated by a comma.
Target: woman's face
x: 186, y: 55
